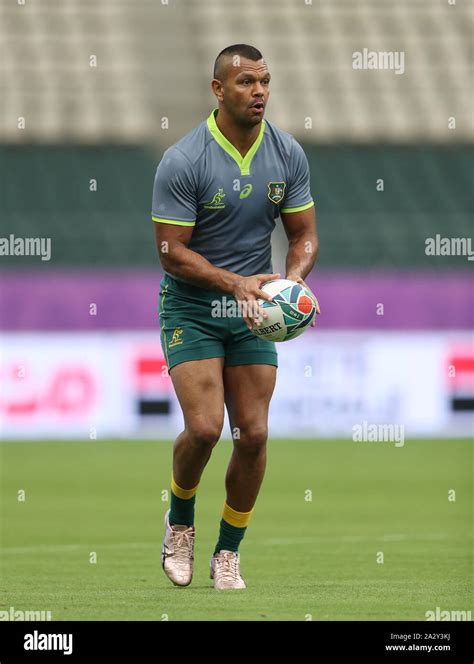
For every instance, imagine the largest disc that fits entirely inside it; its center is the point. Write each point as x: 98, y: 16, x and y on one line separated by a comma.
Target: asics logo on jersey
x: 216, y: 203
x: 246, y: 191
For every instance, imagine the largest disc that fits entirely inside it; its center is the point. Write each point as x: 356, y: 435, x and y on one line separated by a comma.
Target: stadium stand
x: 104, y: 122
x: 309, y: 45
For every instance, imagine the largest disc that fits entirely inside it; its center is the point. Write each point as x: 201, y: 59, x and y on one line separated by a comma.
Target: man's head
x: 241, y: 83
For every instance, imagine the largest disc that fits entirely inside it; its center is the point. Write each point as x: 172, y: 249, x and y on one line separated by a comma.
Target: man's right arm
x: 177, y: 259
x: 174, y: 211
x: 174, y: 215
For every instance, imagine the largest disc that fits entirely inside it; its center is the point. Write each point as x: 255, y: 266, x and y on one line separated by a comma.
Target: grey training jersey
x: 231, y: 201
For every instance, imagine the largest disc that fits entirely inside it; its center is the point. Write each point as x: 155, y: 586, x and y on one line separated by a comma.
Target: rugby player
x: 217, y: 195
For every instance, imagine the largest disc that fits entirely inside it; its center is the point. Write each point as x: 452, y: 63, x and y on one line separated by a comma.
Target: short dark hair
x: 243, y: 50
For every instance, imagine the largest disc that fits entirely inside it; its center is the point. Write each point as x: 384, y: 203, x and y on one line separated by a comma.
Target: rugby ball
x: 290, y: 312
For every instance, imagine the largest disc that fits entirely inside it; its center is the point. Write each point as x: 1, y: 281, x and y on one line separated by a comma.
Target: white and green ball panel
x: 290, y: 312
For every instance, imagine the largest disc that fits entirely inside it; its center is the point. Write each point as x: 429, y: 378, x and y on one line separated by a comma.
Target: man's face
x: 244, y: 90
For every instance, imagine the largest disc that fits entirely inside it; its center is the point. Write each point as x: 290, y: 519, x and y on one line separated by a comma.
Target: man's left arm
x: 299, y: 219
x: 303, y: 245
x: 300, y: 229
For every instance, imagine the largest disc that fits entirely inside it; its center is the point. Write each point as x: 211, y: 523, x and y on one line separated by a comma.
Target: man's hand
x: 299, y: 280
x: 246, y: 291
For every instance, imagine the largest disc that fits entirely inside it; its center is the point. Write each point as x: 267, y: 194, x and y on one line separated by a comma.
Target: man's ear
x: 218, y: 88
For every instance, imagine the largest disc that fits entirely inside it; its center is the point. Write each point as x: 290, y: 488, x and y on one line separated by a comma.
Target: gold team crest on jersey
x: 276, y: 191
x: 176, y: 338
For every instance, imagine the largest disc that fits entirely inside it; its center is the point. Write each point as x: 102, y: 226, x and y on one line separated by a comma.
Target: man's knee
x: 204, y: 434
x: 250, y: 439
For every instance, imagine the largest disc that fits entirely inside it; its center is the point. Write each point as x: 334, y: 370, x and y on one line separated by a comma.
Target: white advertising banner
x: 343, y: 379
x: 102, y: 385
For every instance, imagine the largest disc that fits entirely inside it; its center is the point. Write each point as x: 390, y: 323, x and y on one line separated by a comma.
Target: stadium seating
x: 149, y: 84
x: 154, y: 60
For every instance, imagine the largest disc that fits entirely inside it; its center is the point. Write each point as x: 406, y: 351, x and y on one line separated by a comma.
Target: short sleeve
x: 298, y: 196
x: 174, y: 192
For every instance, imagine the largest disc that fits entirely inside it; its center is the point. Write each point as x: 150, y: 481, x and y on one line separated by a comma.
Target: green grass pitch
x: 326, y: 511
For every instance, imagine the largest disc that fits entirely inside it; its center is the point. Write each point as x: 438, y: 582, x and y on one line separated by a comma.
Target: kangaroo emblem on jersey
x: 276, y: 191
x: 176, y: 338
x: 216, y: 203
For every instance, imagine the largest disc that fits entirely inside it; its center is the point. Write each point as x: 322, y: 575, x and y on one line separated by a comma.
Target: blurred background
x: 92, y: 95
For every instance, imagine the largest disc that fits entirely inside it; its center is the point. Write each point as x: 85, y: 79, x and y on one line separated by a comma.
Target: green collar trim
x: 242, y: 162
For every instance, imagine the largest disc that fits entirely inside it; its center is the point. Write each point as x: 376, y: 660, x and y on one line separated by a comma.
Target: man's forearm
x: 191, y: 266
x: 302, y: 255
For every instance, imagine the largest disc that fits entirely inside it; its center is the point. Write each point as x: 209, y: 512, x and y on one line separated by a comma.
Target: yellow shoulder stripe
x: 299, y: 209
x: 175, y: 222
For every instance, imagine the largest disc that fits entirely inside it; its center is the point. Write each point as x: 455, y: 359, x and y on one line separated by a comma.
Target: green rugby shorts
x: 197, y: 324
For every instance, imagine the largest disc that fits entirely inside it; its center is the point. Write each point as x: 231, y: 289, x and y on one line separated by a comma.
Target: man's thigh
x: 199, y: 387
x: 248, y: 389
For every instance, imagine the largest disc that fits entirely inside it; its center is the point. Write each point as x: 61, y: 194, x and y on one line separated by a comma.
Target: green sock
x: 229, y: 537
x: 182, y: 505
x: 182, y: 511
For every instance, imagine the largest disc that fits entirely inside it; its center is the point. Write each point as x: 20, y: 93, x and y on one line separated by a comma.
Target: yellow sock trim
x: 236, y: 519
x: 185, y: 494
